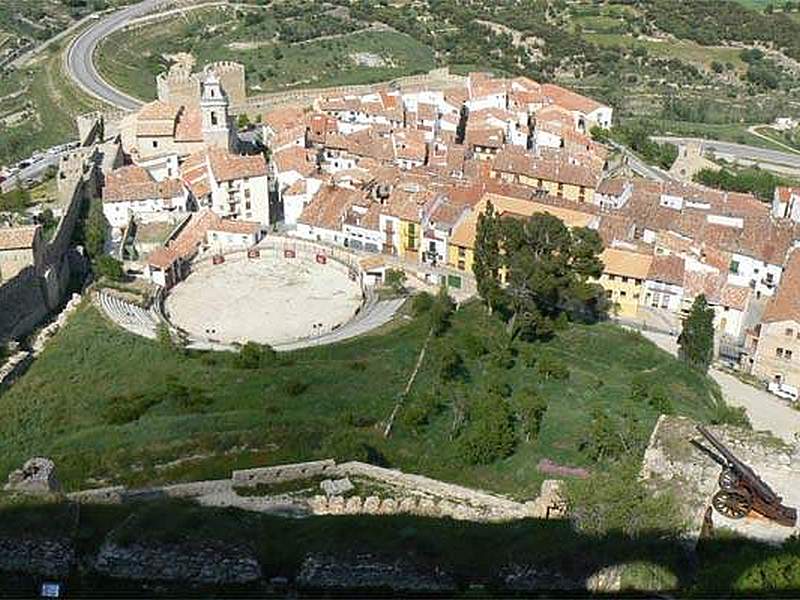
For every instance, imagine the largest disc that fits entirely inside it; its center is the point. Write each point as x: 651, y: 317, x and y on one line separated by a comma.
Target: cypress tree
x: 696, y: 342
x: 486, y: 261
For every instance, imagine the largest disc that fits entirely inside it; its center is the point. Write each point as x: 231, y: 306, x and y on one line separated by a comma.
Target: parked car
x: 783, y: 390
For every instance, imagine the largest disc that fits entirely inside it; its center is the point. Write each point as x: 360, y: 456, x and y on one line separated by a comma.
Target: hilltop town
x: 346, y: 338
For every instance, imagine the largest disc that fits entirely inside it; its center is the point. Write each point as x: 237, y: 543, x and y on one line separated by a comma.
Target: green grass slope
x: 110, y: 407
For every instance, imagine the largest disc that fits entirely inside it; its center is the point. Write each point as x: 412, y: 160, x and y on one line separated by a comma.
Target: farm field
x: 87, y: 403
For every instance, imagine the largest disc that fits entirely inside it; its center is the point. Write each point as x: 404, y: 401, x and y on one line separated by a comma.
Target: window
x: 461, y: 265
x: 247, y: 205
x: 779, y: 352
x: 789, y: 331
x: 214, y: 120
x: 611, y: 277
x: 734, y: 267
x: 624, y: 279
x: 769, y: 277
x: 560, y: 190
x: 638, y: 282
x: 664, y: 301
x: 155, y: 143
x: 608, y: 293
x: 462, y: 252
x: 623, y: 294
x: 247, y: 193
x: 787, y: 354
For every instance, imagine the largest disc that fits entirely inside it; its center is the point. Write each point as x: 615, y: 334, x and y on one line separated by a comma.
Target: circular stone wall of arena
x: 273, y: 299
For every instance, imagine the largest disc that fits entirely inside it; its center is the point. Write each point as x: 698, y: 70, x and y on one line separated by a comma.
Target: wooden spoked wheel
x: 728, y: 480
x: 734, y: 504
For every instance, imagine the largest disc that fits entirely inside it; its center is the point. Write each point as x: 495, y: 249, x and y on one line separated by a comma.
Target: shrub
x: 295, y: 387
x: 474, y: 346
x: 396, y: 280
x: 344, y: 445
x: 421, y: 303
x: 441, y: 311
x: 618, y: 501
x: 126, y: 409
x: 451, y: 365
x: 490, y: 433
x: 253, y: 356
x: 550, y: 367
x: 359, y: 365
x: 419, y: 410
x: 109, y: 267
x: 531, y: 407
x: 188, y: 400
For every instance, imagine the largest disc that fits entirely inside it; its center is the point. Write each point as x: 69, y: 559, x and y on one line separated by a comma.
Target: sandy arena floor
x: 267, y: 300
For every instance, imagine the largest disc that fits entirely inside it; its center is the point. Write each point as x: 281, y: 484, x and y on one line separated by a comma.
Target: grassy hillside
x: 266, y: 46
x: 110, y: 407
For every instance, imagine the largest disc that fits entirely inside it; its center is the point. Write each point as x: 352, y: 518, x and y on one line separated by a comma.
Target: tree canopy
x: 696, y: 341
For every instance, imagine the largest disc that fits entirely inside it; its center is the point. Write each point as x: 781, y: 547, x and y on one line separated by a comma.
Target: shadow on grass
x: 472, y: 554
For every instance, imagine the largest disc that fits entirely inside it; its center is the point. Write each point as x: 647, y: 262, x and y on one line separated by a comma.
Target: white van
x: 783, y: 390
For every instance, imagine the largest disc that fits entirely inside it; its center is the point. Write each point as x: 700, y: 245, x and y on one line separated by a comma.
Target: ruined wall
x: 34, y: 293
x: 284, y: 472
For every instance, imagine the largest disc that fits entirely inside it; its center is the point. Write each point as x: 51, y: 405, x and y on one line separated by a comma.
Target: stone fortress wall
x: 400, y: 493
x: 38, y: 290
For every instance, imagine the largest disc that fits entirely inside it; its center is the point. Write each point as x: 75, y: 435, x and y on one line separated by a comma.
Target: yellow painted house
x: 462, y: 242
x: 623, y: 279
x: 557, y: 177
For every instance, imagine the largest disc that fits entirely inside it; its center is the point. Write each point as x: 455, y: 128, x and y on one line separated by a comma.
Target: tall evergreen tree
x: 549, y: 268
x: 486, y: 262
x: 696, y: 341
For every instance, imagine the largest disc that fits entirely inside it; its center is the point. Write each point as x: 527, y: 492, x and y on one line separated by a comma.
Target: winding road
x: 730, y: 151
x: 80, y: 55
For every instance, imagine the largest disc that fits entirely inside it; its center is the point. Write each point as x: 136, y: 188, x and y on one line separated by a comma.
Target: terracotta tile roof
x: 464, y: 233
x: 569, y: 99
x: 157, y: 119
x: 295, y: 158
x: 785, y: 304
x: 189, y: 127
x: 18, y: 238
x: 328, y: 207
x: 626, y: 263
x: 236, y: 226
x: 284, y: 117
x: 485, y: 138
x: 517, y: 161
x: 227, y: 166
x: 132, y: 183
x: 734, y: 296
x: 162, y: 258
x: 667, y: 268
x: 194, y: 172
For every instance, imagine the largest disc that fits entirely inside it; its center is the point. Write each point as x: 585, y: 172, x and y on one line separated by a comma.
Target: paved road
x: 34, y: 171
x: 766, y: 412
x: 80, y: 63
x: 639, y: 166
x: 731, y: 151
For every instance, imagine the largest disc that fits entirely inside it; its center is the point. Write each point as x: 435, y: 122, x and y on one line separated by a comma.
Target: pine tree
x: 696, y: 341
x: 486, y: 263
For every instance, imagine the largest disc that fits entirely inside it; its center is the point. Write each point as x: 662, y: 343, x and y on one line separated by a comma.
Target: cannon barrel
x: 747, y: 474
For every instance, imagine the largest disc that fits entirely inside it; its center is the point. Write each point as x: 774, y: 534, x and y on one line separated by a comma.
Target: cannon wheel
x: 734, y: 504
x: 729, y: 480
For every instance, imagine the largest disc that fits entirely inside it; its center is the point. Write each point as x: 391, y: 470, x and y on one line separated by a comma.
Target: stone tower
x: 217, y: 129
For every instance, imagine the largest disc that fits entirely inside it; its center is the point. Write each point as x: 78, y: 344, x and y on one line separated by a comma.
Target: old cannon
x: 741, y: 490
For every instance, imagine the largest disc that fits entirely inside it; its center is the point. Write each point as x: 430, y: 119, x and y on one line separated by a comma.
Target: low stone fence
x: 291, y: 472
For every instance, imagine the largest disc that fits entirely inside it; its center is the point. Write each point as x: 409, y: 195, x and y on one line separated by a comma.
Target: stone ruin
x: 37, y: 476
